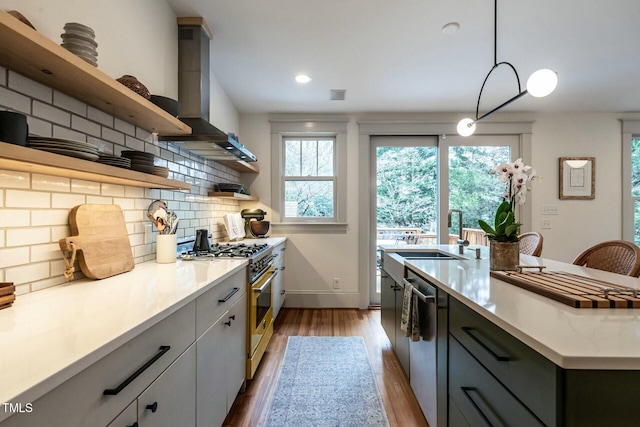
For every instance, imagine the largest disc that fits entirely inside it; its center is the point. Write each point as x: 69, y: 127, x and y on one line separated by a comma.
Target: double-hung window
x: 309, y: 172
x: 309, y: 177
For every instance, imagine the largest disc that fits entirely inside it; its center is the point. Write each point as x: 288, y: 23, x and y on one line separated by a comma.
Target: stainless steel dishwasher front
x: 424, y: 353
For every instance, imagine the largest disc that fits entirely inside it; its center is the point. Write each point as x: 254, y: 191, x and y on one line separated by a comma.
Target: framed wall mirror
x: 577, y: 178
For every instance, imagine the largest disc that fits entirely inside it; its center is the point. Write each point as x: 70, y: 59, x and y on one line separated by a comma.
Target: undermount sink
x: 429, y: 254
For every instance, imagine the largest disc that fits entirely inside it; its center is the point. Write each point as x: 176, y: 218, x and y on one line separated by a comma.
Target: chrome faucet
x: 462, y: 242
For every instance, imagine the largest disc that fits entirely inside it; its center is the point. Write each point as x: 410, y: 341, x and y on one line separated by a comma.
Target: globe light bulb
x: 542, y: 82
x: 466, y: 127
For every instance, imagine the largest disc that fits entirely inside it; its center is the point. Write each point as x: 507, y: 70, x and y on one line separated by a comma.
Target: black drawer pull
x: 232, y: 293
x: 134, y: 424
x: 275, y: 255
x: 153, y: 407
x: 469, y: 331
x: 233, y: 317
x: 113, y: 391
x: 466, y: 391
x: 283, y: 268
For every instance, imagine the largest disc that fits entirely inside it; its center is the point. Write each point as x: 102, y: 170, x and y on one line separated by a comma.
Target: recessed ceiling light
x: 450, y: 28
x: 303, y: 78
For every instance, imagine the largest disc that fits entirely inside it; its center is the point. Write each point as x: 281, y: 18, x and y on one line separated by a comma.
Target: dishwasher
x: 425, y: 372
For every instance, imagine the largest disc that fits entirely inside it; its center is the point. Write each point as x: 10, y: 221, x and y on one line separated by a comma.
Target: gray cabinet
x: 390, y: 317
x: 221, y: 363
x: 171, y: 399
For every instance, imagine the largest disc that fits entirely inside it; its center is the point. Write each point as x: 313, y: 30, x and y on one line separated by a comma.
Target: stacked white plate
x: 80, y: 40
x: 108, y: 159
x: 66, y: 147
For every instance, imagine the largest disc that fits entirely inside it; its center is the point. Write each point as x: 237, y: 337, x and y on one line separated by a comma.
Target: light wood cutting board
x: 100, y: 238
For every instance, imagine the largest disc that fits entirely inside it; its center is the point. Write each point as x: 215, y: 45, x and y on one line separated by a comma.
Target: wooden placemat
x: 572, y: 289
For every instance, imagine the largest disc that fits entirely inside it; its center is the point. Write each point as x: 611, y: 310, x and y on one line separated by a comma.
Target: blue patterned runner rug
x: 326, y: 381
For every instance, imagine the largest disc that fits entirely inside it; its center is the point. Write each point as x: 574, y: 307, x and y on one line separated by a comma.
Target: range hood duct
x: 193, y: 93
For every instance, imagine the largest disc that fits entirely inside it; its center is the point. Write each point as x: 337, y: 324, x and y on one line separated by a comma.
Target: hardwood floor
x: 399, y: 401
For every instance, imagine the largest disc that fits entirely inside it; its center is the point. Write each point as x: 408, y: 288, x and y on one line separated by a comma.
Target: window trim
x: 630, y: 130
x: 304, y: 127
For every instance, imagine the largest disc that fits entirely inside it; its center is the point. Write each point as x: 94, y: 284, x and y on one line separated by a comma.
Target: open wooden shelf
x: 240, y: 166
x: 24, y: 159
x: 31, y: 54
x: 229, y: 195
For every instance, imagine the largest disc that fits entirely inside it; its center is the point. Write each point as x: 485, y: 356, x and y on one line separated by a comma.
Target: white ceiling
x: 391, y: 55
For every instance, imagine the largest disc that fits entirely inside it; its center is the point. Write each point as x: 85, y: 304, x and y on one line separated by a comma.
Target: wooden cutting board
x: 100, y: 237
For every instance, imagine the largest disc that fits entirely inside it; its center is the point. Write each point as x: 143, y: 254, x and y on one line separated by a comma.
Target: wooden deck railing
x: 415, y: 236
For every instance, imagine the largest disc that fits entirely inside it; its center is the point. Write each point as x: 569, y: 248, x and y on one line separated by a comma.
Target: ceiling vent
x: 338, y: 94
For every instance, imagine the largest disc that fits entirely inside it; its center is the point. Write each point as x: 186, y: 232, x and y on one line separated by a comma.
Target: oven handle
x: 267, y: 283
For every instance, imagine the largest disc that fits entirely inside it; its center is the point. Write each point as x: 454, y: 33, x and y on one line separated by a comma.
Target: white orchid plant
x: 517, y: 178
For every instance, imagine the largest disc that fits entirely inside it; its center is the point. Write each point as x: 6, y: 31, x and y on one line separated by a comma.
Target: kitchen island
x: 560, y: 365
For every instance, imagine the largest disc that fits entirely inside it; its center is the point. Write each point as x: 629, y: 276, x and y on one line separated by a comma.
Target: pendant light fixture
x: 540, y: 83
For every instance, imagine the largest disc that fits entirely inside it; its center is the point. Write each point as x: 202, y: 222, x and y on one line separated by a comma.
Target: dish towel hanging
x: 410, y: 322
x: 407, y: 297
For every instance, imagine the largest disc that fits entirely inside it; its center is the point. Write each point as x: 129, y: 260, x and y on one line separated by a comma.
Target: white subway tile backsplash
x: 113, y: 136
x: 100, y: 200
x: 60, y: 232
x: 113, y: 190
x: 14, y: 179
x: 100, y: 116
x: 27, y: 273
x: 50, y: 183
x: 125, y: 204
x: 125, y: 127
x: 51, y: 113
x: 49, y: 217
x: 46, y: 252
x: 59, y: 200
x: 34, y: 208
x: 133, y: 192
x: 29, y: 87
x: 28, y: 236
x: 85, y: 187
x: 27, y: 199
x: 14, y: 256
x: 70, y: 104
x: 133, y: 143
x: 85, y: 126
x: 60, y: 132
x: 39, y: 127
x: 15, y: 101
x: 14, y: 218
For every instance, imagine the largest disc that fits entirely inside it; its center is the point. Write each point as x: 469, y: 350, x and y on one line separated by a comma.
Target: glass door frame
x: 443, y: 126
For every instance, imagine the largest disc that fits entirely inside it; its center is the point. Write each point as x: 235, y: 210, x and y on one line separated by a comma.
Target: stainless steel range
x: 260, y: 275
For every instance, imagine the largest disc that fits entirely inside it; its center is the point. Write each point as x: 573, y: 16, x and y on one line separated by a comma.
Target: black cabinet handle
x: 283, y: 268
x: 275, y: 255
x: 470, y: 331
x: 232, y: 317
x: 113, y: 391
x: 134, y: 424
x: 232, y: 293
x: 466, y: 391
x: 153, y: 407
x: 282, y: 292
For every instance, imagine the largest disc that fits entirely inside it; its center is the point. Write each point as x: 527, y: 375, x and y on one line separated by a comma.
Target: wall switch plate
x: 549, y: 210
x: 336, y: 283
x: 546, y: 224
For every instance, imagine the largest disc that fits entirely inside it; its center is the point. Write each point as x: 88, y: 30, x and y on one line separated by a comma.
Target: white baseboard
x: 314, y: 299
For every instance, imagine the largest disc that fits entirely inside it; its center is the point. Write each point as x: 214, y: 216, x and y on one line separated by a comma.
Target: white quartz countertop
x: 50, y: 335
x: 572, y: 338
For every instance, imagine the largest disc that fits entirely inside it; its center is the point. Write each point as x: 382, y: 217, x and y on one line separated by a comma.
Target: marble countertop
x: 572, y: 338
x: 51, y: 335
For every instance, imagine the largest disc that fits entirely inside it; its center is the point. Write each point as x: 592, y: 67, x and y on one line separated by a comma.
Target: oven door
x: 261, y: 308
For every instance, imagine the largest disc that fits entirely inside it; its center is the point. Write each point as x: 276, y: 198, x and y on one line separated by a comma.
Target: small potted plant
x: 504, y: 248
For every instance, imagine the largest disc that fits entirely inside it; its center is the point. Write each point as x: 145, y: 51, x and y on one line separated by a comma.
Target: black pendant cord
x: 496, y: 64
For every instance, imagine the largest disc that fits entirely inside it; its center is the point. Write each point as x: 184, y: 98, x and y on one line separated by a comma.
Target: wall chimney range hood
x: 193, y: 93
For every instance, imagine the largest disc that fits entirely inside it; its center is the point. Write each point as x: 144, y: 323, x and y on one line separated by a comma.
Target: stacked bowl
x: 80, y: 40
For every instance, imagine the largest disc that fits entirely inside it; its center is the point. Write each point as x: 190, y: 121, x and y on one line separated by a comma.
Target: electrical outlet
x: 546, y: 224
x: 549, y: 210
x: 147, y: 233
x: 336, y: 283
